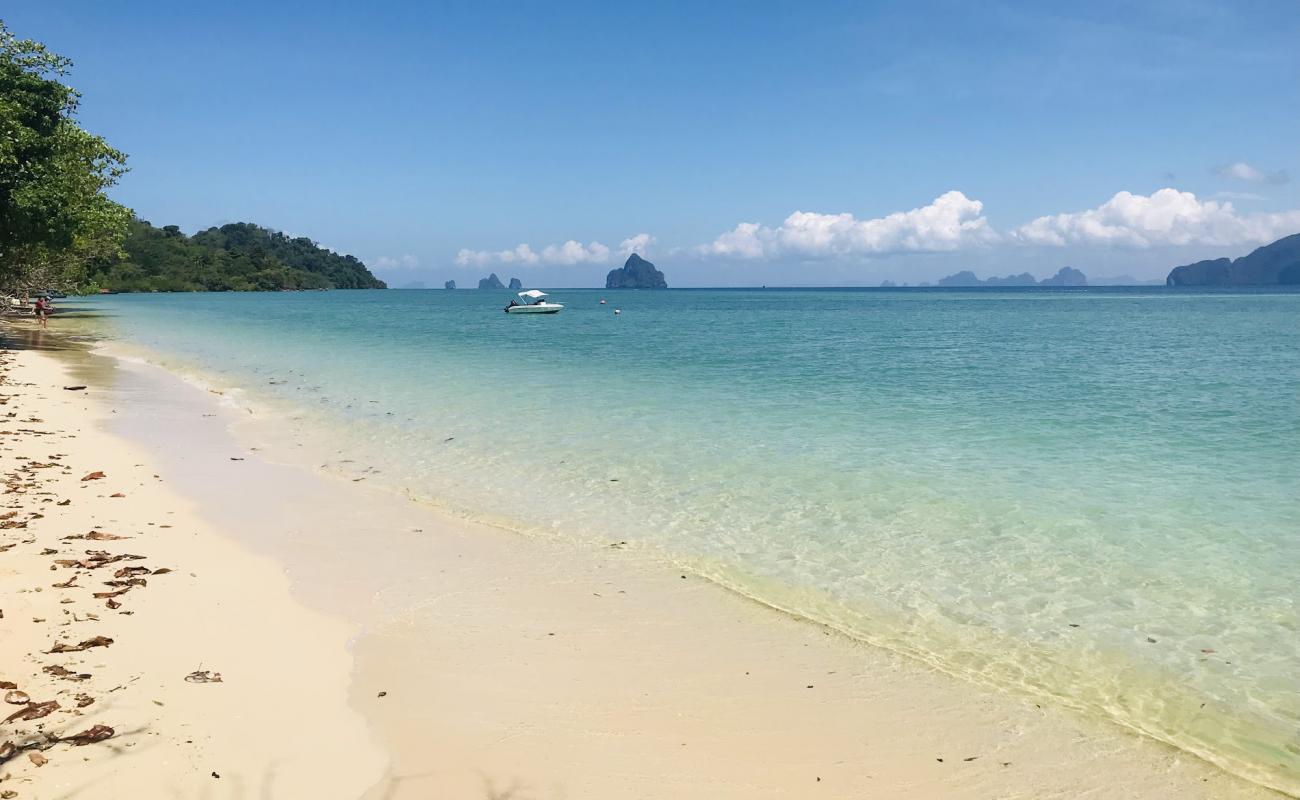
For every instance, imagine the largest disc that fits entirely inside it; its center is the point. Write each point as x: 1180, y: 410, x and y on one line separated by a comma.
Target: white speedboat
x: 534, y: 302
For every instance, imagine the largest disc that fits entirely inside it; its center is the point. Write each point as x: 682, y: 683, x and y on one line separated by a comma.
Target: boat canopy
x: 532, y: 293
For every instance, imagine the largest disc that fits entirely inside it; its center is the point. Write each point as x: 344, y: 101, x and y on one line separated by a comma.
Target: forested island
x: 232, y: 258
x: 1276, y: 264
x: 59, y: 230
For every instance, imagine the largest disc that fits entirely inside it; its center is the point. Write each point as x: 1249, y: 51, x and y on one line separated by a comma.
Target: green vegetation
x: 236, y: 257
x: 59, y: 230
x: 55, y: 219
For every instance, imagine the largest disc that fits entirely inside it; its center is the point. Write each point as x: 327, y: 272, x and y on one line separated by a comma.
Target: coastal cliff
x: 449, y: 285
x: 491, y: 282
x: 515, y: 284
x: 1271, y: 265
x: 636, y: 273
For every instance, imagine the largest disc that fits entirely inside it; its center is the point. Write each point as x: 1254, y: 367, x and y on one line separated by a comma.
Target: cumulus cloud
x: 641, y: 243
x: 1245, y: 172
x: 406, y: 261
x: 951, y: 221
x: 1166, y: 217
x: 568, y: 254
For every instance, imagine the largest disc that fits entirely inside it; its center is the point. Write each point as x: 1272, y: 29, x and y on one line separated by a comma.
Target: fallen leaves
x: 37, y: 758
x: 33, y: 711
x: 98, y: 558
x: 15, y: 697
x: 96, y: 641
x: 59, y: 671
x: 98, y: 733
x: 94, y: 476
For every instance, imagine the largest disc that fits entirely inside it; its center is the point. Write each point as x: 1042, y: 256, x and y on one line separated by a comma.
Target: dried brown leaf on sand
x: 102, y: 595
x: 96, y: 641
x: 33, y: 711
x: 84, y: 700
x: 7, y: 751
x: 38, y: 759
x: 8, y: 685
x: 127, y: 572
x: 94, y: 476
x: 204, y: 676
x: 16, y: 697
x: 100, y: 536
x: 89, y: 736
x: 59, y: 671
x: 113, y: 604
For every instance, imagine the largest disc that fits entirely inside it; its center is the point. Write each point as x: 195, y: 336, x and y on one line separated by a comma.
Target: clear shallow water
x: 1092, y: 495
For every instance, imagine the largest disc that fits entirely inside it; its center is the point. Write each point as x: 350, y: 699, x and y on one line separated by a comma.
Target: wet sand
x: 487, y: 664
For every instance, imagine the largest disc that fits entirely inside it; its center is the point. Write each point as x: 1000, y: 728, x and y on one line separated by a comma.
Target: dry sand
x: 488, y: 665
x: 277, y: 724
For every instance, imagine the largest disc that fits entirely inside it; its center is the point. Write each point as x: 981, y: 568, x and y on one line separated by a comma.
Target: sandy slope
x: 278, y: 723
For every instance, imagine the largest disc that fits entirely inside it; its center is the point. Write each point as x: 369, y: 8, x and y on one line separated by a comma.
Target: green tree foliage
x: 55, y: 219
x: 239, y: 257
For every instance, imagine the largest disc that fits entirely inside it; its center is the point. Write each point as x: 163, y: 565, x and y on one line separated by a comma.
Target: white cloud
x: 1245, y: 172
x: 523, y: 254
x: 950, y: 222
x: 1166, y: 217
x: 406, y: 261
x: 640, y: 243
x: 566, y: 254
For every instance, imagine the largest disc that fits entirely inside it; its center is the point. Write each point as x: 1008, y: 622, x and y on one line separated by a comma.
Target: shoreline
x: 514, y: 662
x: 141, y: 666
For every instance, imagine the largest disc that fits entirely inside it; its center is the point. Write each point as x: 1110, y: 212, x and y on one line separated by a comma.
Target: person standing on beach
x: 42, y: 310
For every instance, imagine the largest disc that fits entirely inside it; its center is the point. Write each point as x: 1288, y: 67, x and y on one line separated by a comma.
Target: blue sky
x: 434, y: 139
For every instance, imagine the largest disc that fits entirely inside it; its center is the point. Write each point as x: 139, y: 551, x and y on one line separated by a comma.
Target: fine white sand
x: 488, y: 665
x: 277, y: 725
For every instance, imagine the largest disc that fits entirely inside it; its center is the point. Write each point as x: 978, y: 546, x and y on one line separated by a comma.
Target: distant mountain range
x: 1276, y: 264
x: 1065, y: 276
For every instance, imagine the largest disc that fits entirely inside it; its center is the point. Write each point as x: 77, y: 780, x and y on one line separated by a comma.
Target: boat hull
x: 549, y: 308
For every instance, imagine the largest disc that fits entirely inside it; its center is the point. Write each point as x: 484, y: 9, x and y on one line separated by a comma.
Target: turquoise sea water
x: 1092, y: 495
